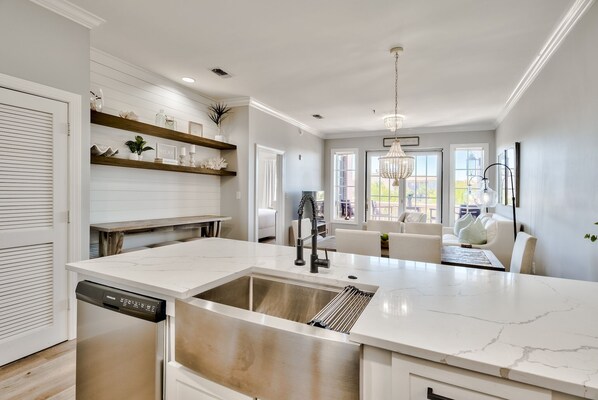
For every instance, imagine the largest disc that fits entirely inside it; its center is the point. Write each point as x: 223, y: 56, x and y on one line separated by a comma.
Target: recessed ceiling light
x: 189, y: 80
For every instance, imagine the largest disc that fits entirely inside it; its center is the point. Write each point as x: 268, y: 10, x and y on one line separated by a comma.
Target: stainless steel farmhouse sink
x: 251, y: 335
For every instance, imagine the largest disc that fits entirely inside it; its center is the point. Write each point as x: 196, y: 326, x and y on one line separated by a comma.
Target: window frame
x: 402, y: 195
x: 453, y: 148
x: 332, y: 202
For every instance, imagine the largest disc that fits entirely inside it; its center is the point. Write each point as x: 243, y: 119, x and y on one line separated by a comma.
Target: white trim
x: 451, y: 185
x: 258, y: 105
x: 355, y: 221
x: 75, y: 164
x: 72, y: 12
x: 570, y: 19
x: 280, y: 215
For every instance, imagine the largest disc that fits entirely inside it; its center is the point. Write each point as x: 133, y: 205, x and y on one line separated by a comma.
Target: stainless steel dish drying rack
x: 343, y: 310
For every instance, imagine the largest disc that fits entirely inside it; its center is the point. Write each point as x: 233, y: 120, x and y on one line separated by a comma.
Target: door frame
x: 74, y: 183
x: 280, y: 204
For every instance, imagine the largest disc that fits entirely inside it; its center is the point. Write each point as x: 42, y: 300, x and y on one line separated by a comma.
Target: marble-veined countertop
x: 537, y: 330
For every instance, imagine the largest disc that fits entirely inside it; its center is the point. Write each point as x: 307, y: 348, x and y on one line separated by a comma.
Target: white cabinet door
x: 415, y: 379
x: 33, y: 223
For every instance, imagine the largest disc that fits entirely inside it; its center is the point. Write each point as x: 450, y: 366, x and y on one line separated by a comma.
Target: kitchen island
x: 484, y: 326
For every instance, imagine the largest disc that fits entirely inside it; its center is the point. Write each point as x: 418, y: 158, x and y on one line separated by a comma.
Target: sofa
x: 499, y: 232
x: 411, y: 216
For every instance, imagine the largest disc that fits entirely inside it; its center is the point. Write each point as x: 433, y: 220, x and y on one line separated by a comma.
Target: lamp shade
x: 487, y: 197
x: 396, y: 164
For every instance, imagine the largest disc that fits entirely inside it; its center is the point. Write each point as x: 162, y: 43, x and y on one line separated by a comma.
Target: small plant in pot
x: 137, y: 147
x: 218, y: 112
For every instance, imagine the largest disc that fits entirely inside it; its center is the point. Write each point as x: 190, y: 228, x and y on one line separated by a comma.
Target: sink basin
x: 251, y: 335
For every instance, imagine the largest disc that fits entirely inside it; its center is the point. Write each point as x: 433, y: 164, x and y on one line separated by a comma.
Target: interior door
x: 33, y: 223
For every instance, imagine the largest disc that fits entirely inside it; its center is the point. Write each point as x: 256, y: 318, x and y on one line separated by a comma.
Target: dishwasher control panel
x: 122, y: 301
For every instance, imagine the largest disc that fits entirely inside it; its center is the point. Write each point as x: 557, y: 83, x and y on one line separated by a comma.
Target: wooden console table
x: 112, y: 234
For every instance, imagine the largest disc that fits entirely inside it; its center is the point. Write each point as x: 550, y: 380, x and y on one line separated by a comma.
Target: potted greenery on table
x: 137, y: 147
x: 591, y: 237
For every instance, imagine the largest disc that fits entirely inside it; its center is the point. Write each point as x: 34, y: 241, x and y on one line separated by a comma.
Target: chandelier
x: 396, y: 164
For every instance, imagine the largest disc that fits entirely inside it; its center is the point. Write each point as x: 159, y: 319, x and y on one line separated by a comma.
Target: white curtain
x: 268, y: 194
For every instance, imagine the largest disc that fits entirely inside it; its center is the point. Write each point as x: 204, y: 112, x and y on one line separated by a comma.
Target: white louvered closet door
x: 33, y: 224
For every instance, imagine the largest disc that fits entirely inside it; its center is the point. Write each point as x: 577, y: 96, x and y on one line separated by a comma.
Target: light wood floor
x: 49, y: 374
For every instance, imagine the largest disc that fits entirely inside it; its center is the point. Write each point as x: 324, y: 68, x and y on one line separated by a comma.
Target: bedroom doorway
x: 269, y: 200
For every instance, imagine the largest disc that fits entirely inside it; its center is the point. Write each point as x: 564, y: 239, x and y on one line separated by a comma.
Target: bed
x: 266, y: 223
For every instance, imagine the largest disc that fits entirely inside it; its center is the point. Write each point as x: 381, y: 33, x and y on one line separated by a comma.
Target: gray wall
x: 237, y: 129
x: 556, y: 122
x: 40, y: 46
x: 437, y: 141
x: 248, y: 127
x: 299, y: 175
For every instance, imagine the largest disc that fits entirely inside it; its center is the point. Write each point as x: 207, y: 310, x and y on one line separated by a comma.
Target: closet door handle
x: 433, y: 396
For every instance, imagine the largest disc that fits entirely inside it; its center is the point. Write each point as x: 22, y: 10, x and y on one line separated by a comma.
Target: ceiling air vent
x: 220, y: 72
x: 317, y: 116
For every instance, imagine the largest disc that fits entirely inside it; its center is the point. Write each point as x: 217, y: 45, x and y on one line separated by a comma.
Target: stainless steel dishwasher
x: 120, y: 344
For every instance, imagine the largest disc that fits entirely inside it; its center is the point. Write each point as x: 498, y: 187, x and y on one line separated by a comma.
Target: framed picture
x: 167, y: 153
x: 195, y: 128
x: 510, y: 157
x: 405, y: 141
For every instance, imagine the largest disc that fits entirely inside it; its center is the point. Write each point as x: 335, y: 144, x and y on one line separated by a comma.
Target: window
x: 420, y: 192
x: 467, y: 166
x: 423, y: 187
x: 344, y: 163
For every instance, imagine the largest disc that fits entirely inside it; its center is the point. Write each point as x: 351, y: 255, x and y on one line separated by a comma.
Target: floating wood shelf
x: 152, y: 130
x: 121, y: 162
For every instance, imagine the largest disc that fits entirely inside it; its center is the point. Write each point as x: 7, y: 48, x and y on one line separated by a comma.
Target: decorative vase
x: 161, y: 119
x: 220, y: 136
x: 134, y: 156
x: 96, y: 100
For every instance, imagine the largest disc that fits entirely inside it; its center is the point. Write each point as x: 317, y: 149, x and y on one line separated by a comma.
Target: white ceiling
x: 462, y: 59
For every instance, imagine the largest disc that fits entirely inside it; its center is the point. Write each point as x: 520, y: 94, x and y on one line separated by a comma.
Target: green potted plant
x: 137, y: 147
x: 591, y: 237
x: 217, y: 113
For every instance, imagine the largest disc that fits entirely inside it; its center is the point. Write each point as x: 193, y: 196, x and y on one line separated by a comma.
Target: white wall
x: 441, y: 141
x: 40, y: 46
x: 120, y: 194
x: 556, y: 122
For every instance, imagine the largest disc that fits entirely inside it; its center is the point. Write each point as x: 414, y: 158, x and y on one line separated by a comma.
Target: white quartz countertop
x: 537, y: 330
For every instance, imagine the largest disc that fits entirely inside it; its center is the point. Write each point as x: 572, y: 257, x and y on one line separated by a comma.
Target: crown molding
x: 411, y: 131
x: 567, y: 23
x: 72, y: 12
x: 258, y: 105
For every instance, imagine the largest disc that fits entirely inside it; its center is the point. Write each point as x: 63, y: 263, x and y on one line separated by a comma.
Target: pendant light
x: 396, y: 164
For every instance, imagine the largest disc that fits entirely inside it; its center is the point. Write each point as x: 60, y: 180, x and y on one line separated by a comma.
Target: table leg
x: 111, y: 243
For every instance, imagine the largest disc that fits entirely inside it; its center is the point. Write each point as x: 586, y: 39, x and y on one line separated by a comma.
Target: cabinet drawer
x: 415, y: 379
x: 425, y: 388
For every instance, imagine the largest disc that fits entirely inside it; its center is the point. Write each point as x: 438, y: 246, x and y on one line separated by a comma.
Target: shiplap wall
x: 121, y: 194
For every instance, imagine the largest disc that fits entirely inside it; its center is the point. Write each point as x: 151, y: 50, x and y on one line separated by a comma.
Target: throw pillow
x: 473, y: 233
x: 462, y: 223
x: 491, y: 227
x: 413, y: 217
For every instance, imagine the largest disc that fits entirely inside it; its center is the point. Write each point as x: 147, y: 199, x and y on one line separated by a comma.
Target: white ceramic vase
x: 134, y: 156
